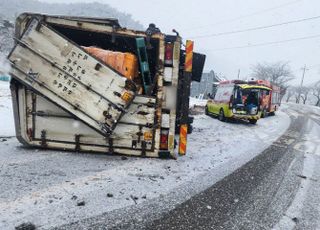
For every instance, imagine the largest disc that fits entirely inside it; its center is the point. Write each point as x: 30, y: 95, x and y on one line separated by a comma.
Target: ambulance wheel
x: 263, y: 113
x: 221, y: 116
x: 253, y: 121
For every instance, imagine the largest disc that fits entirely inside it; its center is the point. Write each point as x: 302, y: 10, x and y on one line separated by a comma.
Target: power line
x: 245, y: 16
x: 257, y: 28
x: 309, y: 68
x: 268, y: 43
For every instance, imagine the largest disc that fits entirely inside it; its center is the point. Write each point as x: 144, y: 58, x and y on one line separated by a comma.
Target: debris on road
x: 134, y: 198
x: 81, y: 203
x: 302, y: 176
x: 26, y: 226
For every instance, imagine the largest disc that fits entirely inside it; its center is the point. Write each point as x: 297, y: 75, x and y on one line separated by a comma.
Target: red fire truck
x: 270, y: 99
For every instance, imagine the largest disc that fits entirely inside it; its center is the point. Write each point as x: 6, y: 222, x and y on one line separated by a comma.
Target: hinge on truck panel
x: 149, y: 125
x: 134, y: 144
x: 34, y: 109
x: 110, y: 141
x: 43, y: 138
x: 143, y: 148
x: 77, y: 140
x: 40, y: 19
x: 38, y: 27
x: 139, y: 134
x: 113, y: 36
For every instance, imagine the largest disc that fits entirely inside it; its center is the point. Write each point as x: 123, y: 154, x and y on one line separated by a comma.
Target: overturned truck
x: 66, y: 96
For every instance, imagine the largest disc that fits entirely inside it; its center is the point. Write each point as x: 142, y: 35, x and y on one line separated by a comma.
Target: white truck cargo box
x: 65, y: 74
x: 63, y: 98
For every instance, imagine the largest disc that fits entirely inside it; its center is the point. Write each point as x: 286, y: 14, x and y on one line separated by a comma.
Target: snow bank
x: 197, y: 102
x: 309, y: 108
x: 4, y: 65
x: 44, y: 187
x: 6, y: 113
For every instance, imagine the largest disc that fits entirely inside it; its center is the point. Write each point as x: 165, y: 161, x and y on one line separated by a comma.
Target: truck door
x: 64, y: 73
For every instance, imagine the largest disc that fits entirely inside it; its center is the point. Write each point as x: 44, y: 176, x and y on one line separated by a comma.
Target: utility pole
x: 238, y: 74
x: 304, y: 69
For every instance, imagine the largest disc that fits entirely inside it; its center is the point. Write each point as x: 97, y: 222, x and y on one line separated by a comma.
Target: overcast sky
x: 196, y: 18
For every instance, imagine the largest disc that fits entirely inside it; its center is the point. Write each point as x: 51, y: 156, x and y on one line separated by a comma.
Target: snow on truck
x: 87, y: 84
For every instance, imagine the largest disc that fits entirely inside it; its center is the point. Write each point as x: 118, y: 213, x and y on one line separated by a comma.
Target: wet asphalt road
x: 256, y: 196
x: 253, y: 197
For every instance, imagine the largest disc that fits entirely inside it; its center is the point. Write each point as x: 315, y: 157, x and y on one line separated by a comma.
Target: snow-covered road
x: 51, y: 188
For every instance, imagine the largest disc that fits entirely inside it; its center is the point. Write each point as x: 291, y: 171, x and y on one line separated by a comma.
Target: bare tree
x: 278, y: 73
x: 290, y: 92
x: 296, y: 91
x: 305, y: 90
x: 316, y: 92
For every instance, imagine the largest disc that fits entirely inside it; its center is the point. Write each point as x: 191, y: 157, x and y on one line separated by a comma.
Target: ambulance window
x: 218, y: 93
x: 224, y: 93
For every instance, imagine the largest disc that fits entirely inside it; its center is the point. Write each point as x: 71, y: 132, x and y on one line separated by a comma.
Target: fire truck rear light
x: 164, y: 139
x: 168, y: 59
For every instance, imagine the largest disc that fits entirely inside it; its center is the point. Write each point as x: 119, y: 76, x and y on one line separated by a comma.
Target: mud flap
x: 65, y: 74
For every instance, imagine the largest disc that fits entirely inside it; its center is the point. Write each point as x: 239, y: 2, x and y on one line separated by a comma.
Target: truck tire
x: 253, y: 121
x: 206, y: 111
x: 190, y: 128
x: 221, y: 116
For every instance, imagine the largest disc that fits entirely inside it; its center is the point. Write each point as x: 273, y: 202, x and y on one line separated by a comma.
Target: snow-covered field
x: 47, y: 187
x: 6, y: 114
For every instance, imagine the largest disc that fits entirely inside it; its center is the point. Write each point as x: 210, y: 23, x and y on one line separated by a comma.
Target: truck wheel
x: 190, y: 128
x: 206, y: 111
x: 221, y: 116
x: 253, y: 121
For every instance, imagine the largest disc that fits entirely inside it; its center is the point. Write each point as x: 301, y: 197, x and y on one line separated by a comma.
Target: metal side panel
x: 68, y: 76
x: 140, y: 112
x: 23, y: 125
x: 46, y: 123
x: 14, y: 95
x: 96, y: 149
x: 63, y: 130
